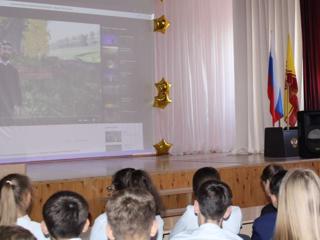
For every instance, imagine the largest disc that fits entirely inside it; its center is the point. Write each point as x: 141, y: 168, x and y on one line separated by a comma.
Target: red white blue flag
x: 274, y: 92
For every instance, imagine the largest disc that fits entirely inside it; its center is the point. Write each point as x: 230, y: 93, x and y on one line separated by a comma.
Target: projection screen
x: 76, y: 79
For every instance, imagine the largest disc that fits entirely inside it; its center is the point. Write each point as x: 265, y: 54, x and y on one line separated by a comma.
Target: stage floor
x: 84, y: 168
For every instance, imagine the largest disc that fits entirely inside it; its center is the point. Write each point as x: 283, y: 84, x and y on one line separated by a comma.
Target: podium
x: 281, y: 143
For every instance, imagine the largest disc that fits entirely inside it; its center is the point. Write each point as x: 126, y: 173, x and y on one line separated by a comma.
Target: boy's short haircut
x: 65, y: 214
x: 15, y: 232
x: 269, y: 171
x: 131, y: 213
x: 276, y: 182
x: 202, y: 175
x: 214, y: 197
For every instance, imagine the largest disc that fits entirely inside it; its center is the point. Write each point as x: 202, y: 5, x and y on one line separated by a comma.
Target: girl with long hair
x: 15, y: 203
x: 299, y: 206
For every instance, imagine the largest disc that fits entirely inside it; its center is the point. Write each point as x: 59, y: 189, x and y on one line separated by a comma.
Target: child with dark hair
x: 15, y: 232
x: 15, y: 202
x: 125, y: 178
x: 131, y: 215
x: 202, y: 175
x: 65, y: 215
x: 265, y: 177
x: 141, y: 179
x: 263, y: 227
x: 212, y: 205
x: 120, y: 180
x: 189, y: 220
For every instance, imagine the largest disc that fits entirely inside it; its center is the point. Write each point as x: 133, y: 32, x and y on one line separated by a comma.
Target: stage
x: 172, y: 175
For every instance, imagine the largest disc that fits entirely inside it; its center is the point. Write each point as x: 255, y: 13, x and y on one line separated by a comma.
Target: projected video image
x: 49, y: 72
x: 80, y: 42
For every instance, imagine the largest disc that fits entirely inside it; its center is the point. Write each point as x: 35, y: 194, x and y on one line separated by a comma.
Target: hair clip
x: 110, y: 188
x: 10, y: 183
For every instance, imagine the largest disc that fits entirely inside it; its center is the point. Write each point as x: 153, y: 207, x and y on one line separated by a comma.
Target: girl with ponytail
x: 15, y: 203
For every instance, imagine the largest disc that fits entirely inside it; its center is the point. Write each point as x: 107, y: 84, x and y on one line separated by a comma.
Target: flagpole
x: 288, y: 91
x: 287, y: 110
x: 288, y: 114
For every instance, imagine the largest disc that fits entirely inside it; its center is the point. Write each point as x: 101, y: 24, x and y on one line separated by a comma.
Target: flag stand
x: 281, y: 142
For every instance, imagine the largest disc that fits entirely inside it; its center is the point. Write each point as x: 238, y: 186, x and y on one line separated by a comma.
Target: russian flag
x: 274, y: 92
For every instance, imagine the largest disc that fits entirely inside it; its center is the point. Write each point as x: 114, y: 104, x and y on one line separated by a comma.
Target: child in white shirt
x: 15, y: 201
x: 122, y: 179
x: 212, y: 205
x: 189, y: 220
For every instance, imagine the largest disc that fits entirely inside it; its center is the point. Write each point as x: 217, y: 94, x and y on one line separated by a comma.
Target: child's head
x: 130, y: 177
x: 267, y: 174
x: 120, y: 180
x: 202, y: 175
x: 65, y: 215
x: 213, y: 202
x: 275, y: 184
x: 141, y: 179
x: 15, y: 232
x: 299, y: 206
x: 15, y: 198
x: 131, y: 215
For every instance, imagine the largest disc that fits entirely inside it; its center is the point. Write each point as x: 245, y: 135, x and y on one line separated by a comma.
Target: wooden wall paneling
x: 243, y: 180
x: 245, y: 185
x: 93, y: 189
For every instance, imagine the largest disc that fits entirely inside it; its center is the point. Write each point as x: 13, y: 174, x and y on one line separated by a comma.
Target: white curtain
x: 196, y: 56
x: 254, y: 21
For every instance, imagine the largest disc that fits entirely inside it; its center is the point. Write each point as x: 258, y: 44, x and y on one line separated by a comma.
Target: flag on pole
x: 274, y: 91
x: 291, y: 105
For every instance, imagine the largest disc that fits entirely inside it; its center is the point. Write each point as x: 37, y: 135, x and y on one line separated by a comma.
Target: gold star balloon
x: 162, y: 99
x: 162, y: 147
x: 163, y: 86
x: 161, y: 24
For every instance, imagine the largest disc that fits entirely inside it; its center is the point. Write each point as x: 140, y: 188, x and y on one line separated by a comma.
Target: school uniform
x: 269, y: 208
x: 98, y: 230
x: 189, y: 221
x: 206, y: 231
x: 263, y: 226
x: 33, y: 227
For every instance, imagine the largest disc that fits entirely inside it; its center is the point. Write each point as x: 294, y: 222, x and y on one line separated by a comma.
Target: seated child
x: 65, y: 216
x: 15, y: 202
x: 298, y: 215
x: 124, y: 178
x: 131, y: 215
x: 212, y: 205
x: 266, y: 176
x: 189, y: 220
x: 263, y: 226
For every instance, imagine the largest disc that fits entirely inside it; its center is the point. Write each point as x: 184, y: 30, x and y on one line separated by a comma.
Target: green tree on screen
x: 35, y: 42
